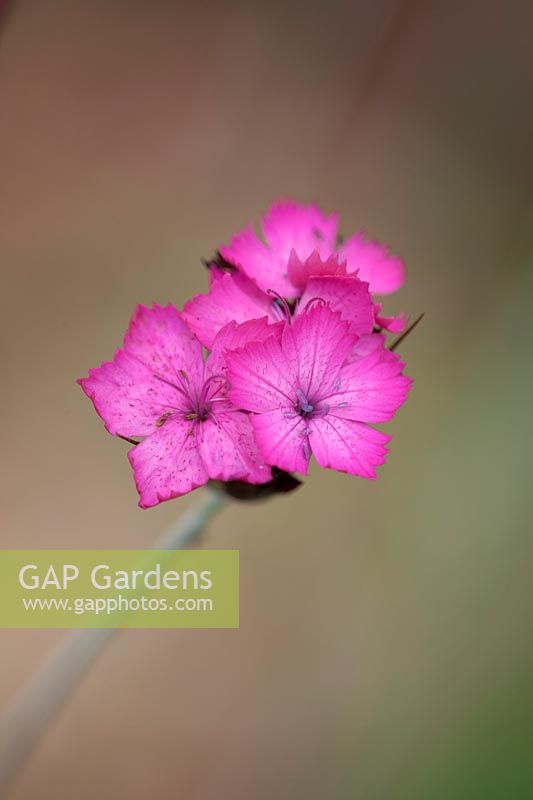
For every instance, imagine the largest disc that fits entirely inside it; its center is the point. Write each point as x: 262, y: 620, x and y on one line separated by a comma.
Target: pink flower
x: 303, y: 230
x: 305, y: 398
x: 158, y: 387
x: 235, y: 297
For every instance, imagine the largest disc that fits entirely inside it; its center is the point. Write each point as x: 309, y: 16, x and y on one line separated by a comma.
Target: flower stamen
x: 304, y: 407
x: 281, y: 302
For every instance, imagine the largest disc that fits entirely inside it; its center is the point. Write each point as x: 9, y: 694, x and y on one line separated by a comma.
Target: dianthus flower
x: 310, y: 391
x: 299, y: 259
x: 159, y: 387
x: 288, y: 228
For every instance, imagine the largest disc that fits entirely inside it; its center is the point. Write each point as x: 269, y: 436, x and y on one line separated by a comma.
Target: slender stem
x: 127, y: 439
x: 26, y: 719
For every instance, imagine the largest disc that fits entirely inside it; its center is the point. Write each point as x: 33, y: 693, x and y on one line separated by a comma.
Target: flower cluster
x: 297, y: 363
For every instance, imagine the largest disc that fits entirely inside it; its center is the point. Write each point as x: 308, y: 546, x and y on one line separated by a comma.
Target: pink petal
x: 168, y: 464
x: 229, y: 449
x: 287, y: 226
x: 283, y: 440
x: 232, y: 298
x: 290, y: 226
x: 349, y: 296
x: 367, y: 344
x: 249, y: 254
x: 234, y: 337
x: 347, y: 446
x: 393, y: 324
x: 384, y: 272
x: 161, y: 339
x: 300, y: 271
x: 129, y: 397
x: 261, y: 377
x: 316, y: 345
x: 370, y: 389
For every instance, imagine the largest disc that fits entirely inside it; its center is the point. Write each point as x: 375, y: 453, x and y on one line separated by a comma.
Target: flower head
x: 159, y: 387
x: 310, y: 391
x: 298, y: 365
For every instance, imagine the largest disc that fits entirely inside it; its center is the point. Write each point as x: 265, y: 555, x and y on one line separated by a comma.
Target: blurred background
x: 386, y: 641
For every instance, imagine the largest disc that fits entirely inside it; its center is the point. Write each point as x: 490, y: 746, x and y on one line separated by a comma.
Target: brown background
x: 385, y: 649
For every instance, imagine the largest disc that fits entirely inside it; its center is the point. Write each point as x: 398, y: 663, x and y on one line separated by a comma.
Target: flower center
x: 212, y: 392
x: 304, y: 408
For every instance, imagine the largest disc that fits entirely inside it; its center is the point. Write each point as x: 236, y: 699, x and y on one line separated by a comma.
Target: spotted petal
x: 168, y: 463
x: 349, y: 296
x: 316, y: 345
x: 234, y: 337
x: 161, y: 339
x: 283, y: 440
x: 347, y: 446
x: 129, y: 397
x: 229, y: 450
x: 261, y: 377
x: 370, y: 389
